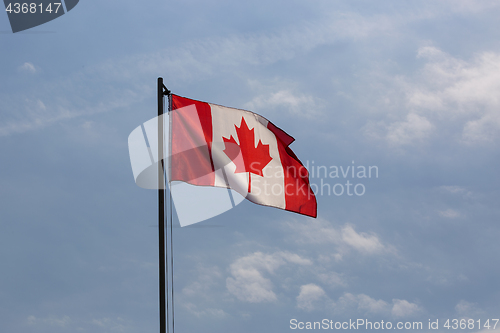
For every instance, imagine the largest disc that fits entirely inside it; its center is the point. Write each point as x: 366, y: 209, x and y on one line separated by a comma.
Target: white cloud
x: 403, y: 308
x: 452, y: 89
x: 362, y: 242
x: 247, y: 281
x: 449, y: 213
x: 466, y: 309
x: 296, y: 103
x: 283, y: 95
x: 458, y: 191
x: 115, y: 325
x: 28, y: 67
x: 294, y: 258
x: 445, y: 96
x: 414, y: 128
x: 286, y: 43
x: 313, y: 232
x: 53, y: 321
x: 208, y: 312
x: 33, y: 114
x: 445, y: 81
x: 332, y: 279
x: 453, y: 189
x: 101, y: 88
x: 456, y: 85
x: 482, y: 130
x: 206, y: 279
x: 471, y: 6
x: 322, y: 232
x: 371, y: 305
x: 309, y: 294
x: 361, y: 302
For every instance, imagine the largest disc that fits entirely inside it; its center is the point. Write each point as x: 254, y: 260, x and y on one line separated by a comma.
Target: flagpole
x: 161, y: 91
x: 161, y: 211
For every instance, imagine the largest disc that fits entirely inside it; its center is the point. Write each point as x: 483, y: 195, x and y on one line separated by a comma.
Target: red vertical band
x: 191, y: 159
x: 299, y: 197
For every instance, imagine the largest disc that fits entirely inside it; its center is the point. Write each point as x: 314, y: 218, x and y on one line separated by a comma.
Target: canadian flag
x: 213, y: 145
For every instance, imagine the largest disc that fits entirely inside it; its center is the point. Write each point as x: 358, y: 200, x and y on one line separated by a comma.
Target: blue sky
x: 410, y: 87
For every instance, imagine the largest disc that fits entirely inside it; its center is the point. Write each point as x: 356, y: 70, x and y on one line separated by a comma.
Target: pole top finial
x: 165, y: 90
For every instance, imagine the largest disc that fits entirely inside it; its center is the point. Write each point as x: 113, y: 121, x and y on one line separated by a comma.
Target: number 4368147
x: 470, y: 324
x: 32, y: 8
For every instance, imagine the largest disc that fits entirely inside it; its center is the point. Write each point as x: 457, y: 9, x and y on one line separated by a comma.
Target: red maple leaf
x: 253, y: 159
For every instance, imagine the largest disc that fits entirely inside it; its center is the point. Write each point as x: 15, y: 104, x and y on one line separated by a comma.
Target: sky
x: 410, y: 88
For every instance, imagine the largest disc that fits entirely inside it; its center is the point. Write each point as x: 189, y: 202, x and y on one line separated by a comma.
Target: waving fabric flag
x: 203, y: 146
x: 213, y: 145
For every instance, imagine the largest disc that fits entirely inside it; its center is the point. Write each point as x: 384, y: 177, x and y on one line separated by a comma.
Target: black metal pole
x: 161, y: 210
